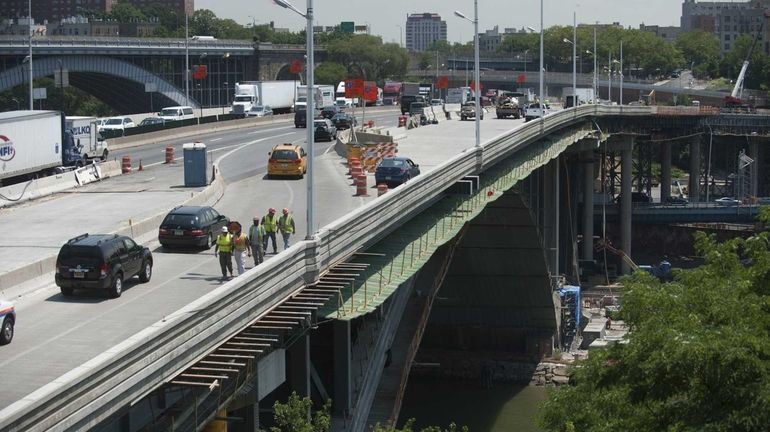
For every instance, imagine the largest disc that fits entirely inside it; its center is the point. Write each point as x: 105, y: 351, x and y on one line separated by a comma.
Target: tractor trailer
x: 278, y: 95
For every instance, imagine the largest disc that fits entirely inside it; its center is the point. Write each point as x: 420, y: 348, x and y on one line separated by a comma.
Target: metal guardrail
x: 96, y: 41
x: 92, y: 393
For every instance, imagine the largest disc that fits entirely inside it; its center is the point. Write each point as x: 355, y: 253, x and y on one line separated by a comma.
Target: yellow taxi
x: 287, y: 160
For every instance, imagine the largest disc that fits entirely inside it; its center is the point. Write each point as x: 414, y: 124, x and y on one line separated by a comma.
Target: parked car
x: 149, y: 121
x: 436, y: 102
x: 191, y: 226
x: 287, y: 160
x: 101, y: 262
x: 395, y: 170
x: 118, y: 123
x: 173, y: 113
x: 728, y: 202
x: 468, y: 111
x: 8, y: 320
x: 330, y: 111
x: 636, y: 197
x: 324, y: 130
x: 674, y: 199
x: 343, y: 120
x: 259, y: 111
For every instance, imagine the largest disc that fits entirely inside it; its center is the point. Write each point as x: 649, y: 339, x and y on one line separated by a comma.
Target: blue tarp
x: 571, y: 290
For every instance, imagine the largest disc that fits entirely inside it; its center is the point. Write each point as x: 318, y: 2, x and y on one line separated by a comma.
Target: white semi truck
x: 35, y: 143
x: 324, y: 96
x: 278, y: 95
x: 92, y: 144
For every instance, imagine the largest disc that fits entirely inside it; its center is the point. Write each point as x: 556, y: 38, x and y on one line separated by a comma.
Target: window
x: 129, y: 243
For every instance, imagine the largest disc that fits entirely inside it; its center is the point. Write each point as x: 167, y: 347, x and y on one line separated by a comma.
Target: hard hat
x: 272, y: 210
x: 256, y: 218
x: 224, y: 229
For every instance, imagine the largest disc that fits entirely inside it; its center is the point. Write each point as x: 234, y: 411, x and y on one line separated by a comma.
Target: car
x: 8, y: 321
x: 101, y: 262
x: 191, y: 226
x: 300, y: 103
x: 344, y: 121
x: 259, y: 111
x: 674, y: 199
x: 173, y: 113
x: 468, y: 110
x: 436, y: 102
x: 728, y: 202
x: 407, y: 100
x: 636, y: 197
x: 149, y: 121
x: 395, y: 170
x: 324, y: 130
x: 534, y: 111
x: 330, y: 111
x: 287, y: 160
x: 118, y: 123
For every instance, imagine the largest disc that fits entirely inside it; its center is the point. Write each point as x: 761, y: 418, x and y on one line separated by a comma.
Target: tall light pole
x: 31, y: 74
x: 477, y: 85
x: 596, y: 77
x: 574, y: 82
x: 621, y: 72
x: 542, y: 65
x: 310, y: 110
x: 574, y: 58
x: 186, y: 59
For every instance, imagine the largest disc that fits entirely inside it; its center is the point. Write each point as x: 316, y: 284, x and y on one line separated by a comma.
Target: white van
x: 176, y: 113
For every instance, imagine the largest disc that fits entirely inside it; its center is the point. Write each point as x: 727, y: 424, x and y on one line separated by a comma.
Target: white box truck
x: 34, y: 143
x: 92, y: 144
x: 278, y: 95
x: 324, y: 96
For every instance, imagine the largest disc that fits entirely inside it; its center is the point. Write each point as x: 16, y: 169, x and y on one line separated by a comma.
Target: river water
x: 502, y: 408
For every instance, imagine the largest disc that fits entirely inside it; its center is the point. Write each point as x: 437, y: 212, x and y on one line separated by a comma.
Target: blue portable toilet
x: 196, y: 164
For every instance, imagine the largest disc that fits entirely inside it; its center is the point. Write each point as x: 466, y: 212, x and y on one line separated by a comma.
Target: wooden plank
x: 271, y: 327
x: 213, y: 369
x: 188, y: 375
x: 334, y: 278
x: 322, y: 290
x: 239, y: 350
x: 280, y: 312
x: 342, y: 274
x: 311, y: 298
x: 306, y: 307
x: 304, y: 303
x: 256, y: 337
x: 248, y: 344
x: 268, y: 322
x: 287, y: 319
x: 196, y: 384
x: 369, y: 254
x: 230, y: 356
x: 221, y: 363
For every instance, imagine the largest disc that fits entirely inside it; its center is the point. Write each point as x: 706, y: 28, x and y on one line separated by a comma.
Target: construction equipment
x: 605, y: 245
x: 735, y: 99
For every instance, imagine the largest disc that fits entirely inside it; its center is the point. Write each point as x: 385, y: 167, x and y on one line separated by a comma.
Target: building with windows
x: 55, y: 10
x: 669, y: 34
x: 423, y: 29
x: 728, y: 20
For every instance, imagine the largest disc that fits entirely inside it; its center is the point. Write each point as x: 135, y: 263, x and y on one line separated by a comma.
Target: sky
x: 385, y: 16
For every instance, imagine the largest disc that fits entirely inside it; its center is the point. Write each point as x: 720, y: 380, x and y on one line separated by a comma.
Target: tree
x: 702, y: 50
x: 330, y: 73
x: 293, y: 416
x: 697, y: 351
x: 408, y: 427
x: 126, y: 12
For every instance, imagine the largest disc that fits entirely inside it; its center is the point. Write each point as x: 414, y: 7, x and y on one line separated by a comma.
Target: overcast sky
x: 384, y: 16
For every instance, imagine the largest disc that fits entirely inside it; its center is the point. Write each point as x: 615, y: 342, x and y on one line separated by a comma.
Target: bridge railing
x: 92, y: 393
x: 68, y: 41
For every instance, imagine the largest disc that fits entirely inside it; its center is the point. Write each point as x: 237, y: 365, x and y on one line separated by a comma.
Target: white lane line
x: 266, y: 130
x: 239, y: 145
x: 215, y: 139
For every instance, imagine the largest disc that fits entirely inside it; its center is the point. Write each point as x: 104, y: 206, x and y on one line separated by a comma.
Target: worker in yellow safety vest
x: 224, y: 247
x: 286, y: 227
x: 270, y: 222
x: 256, y: 237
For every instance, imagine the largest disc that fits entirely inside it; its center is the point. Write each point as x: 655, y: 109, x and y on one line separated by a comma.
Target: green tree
x: 733, y: 62
x: 702, y: 50
x: 697, y: 352
x: 295, y: 416
x: 330, y: 73
x: 126, y: 12
x: 409, y: 427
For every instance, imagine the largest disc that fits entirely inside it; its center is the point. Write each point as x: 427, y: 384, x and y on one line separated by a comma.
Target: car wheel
x: 146, y: 273
x: 117, y: 286
x: 67, y: 292
x: 105, y: 153
x: 6, y: 333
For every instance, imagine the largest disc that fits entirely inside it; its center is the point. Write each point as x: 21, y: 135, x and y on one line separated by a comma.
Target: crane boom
x: 738, y: 89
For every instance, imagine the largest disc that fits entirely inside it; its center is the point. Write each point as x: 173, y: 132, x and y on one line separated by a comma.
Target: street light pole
x: 186, y: 60
x: 31, y: 74
x: 621, y: 72
x: 574, y: 59
x: 310, y: 110
x: 542, y: 66
x: 596, y: 77
x: 477, y: 83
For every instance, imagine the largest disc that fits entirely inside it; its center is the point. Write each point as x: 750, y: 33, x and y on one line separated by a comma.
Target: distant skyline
x: 384, y: 17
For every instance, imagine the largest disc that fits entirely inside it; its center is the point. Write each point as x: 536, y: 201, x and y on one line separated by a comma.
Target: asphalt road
x: 54, y: 333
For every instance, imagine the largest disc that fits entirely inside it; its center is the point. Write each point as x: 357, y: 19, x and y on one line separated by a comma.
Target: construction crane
x: 605, y: 245
x: 735, y: 98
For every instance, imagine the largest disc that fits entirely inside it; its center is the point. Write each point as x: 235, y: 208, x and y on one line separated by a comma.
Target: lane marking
x: 215, y: 139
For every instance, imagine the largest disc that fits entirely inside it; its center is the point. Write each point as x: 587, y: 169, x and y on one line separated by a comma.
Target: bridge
x: 492, y: 211
x: 116, y: 70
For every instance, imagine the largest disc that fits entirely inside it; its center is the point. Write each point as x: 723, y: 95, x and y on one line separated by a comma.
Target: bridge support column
x: 342, y: 367
x: 588, y: 205
x: 665, y: 171
x: 693, y: 187
x: 626, y: 160
x: 248, y: 418
x: 551, y: 215
x: 299, y: 365
x: 754, y: 168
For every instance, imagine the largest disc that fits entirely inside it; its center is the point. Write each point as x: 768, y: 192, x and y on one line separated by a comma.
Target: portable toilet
x: 196, y: 164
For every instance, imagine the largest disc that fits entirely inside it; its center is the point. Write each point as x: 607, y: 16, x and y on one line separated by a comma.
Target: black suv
x: 191, y: 226
x: 101, y: 261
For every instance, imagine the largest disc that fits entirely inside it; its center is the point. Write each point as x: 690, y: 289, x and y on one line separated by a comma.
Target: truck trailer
x: 35, y: 144
x: 278, y: 95
x: 92, y: 144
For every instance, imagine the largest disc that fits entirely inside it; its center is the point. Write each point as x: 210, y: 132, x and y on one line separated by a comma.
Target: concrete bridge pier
x: 693, y: 186
x: 626, y: 161
x: 665, y: 171
x: 342, y: 402
x: 299, y: 366
x: 588, y: 205
x: 550, y: 219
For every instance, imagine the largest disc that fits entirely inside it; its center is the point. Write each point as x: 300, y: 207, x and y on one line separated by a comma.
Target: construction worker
x: 224, y: 246
x: 242, y: 247
x: 286, y: 227
x: 256, y: 237
x: 270, y: 222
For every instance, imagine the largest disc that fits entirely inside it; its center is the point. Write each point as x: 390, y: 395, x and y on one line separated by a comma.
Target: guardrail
x: 93, y: 392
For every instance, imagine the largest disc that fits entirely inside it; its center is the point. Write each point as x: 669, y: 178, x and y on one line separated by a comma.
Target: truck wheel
x: 6, y: 332
x: 105, y: 153
x: 117, y: 286
x: 146, y: 273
